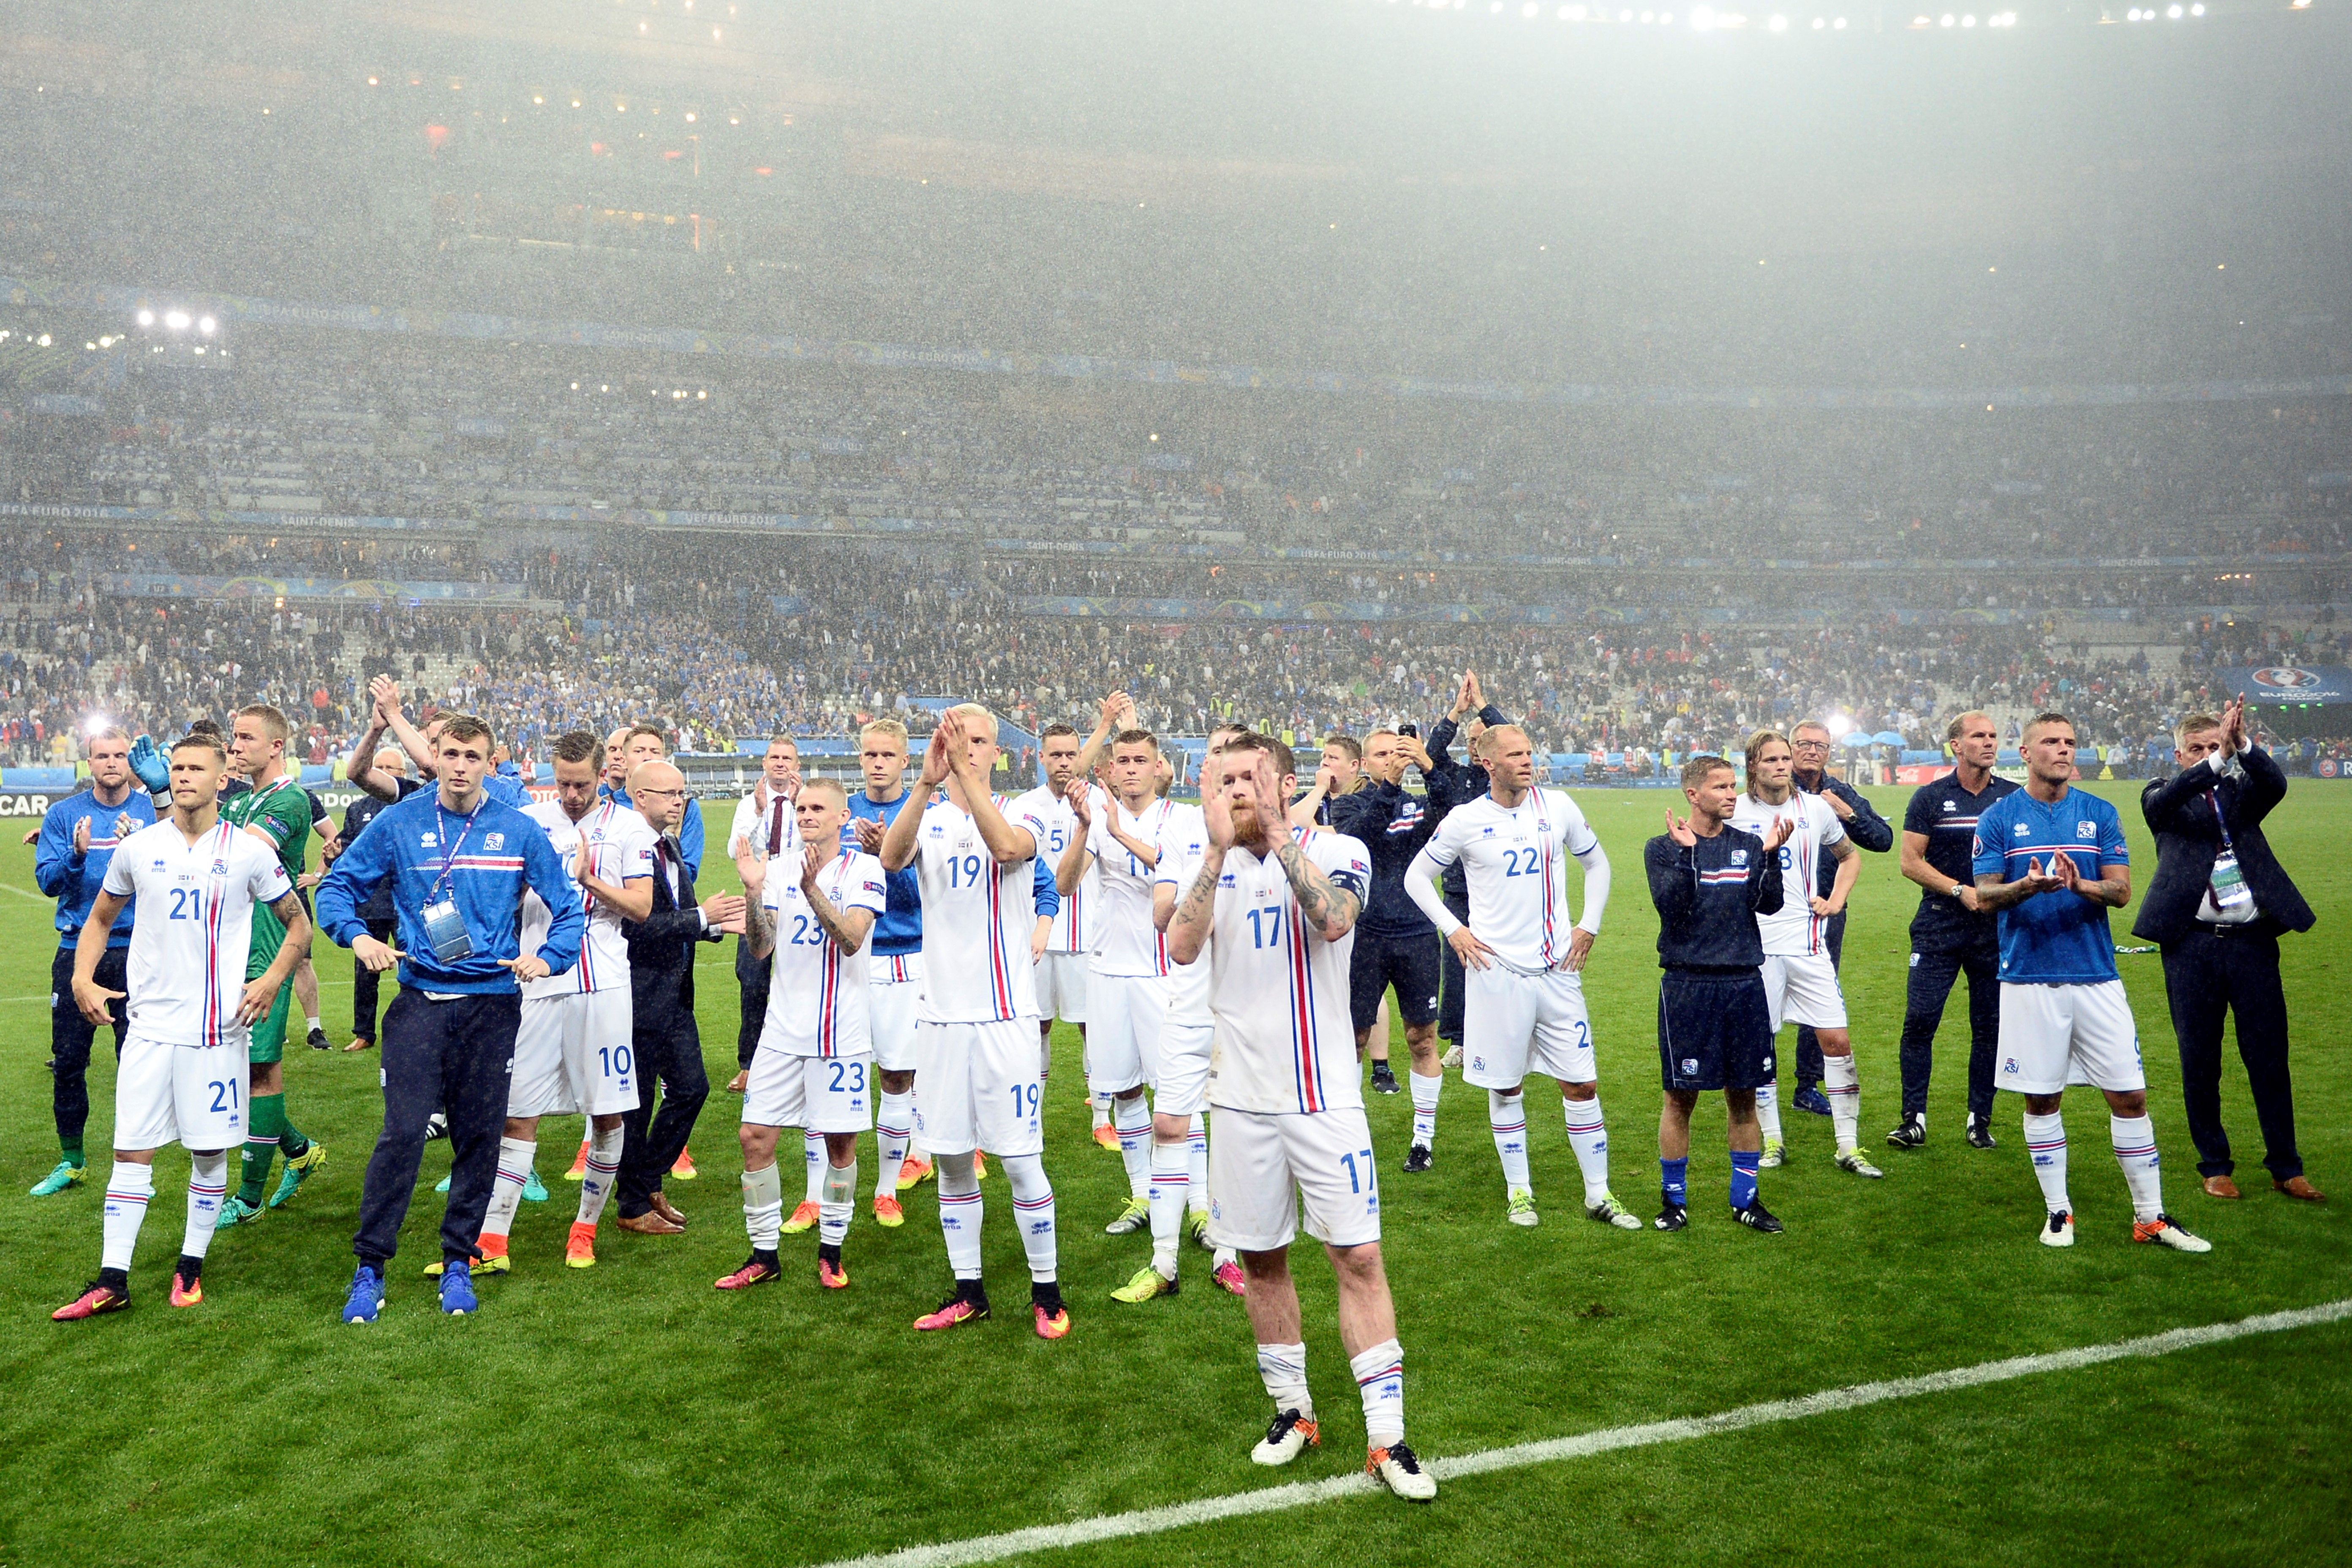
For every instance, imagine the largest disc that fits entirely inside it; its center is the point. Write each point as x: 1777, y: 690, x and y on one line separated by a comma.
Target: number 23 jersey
x: 816, y: 992
x: 1284, y: 1041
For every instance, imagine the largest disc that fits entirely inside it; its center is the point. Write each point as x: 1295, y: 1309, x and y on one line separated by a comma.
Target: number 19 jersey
x: 1284, y: 1041
x: 976, y: 917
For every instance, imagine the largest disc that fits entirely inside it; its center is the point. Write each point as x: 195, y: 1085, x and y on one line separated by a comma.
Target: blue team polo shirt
x: 2057, y: 938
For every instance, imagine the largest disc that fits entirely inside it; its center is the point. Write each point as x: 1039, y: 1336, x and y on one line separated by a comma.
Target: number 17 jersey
x: 1284, y: 1041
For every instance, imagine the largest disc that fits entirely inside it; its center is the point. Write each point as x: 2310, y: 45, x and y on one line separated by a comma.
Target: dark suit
x: 2210, y: 968
x: 667, y: 1044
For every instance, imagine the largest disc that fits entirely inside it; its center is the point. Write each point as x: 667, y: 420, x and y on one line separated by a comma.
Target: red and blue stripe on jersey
x: 217, y: 1012
x: 1000, y: 972
x: 1306, y: 1038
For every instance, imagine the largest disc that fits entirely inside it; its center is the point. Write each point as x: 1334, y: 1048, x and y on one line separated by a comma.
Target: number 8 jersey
x: 976, y: 917
x: 1284, y: 1040
x: 194, y: 928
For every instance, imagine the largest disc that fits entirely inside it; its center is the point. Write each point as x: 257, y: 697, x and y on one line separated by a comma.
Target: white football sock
x: 1132, y: 1117
x: 128, y: 1189
x: 1033, y: 1211
x: 1196, y: 1166
x: 1425, y: 1107
x: 1283, y: 1370
x: 1170, y: 1184
x: 812, y: 1156
x: 1102, y: 1108
x: 893, y: 1125
x: 960, y: 1211
x: 1843, y: 1084
x: 1588, y: 1135
x: 2135, y: 1138
x: 763, y: 1208
x: 2046, y: 1142
x: 314, y: 1023
x: 1507, y: 1115
x: 1768, y: 1112
x: 603, y: 1170
x: 515, y: 1155
x: 1380, y: 1378
x: 207, y: 1185
x: 840, y: 1194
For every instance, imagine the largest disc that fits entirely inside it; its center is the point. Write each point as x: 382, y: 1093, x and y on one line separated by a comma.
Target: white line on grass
x: 1273, y: 1499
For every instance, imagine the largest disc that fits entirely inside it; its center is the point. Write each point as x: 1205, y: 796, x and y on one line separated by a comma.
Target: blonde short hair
x: 890, y: 726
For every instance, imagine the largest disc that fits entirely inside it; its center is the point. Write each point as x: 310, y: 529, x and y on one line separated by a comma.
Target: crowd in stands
x: 813, y: 648
x: 314, y: 422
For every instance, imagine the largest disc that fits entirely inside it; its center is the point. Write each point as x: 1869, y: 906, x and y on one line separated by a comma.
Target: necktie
x: 776, y: 828
x: 669, y: 853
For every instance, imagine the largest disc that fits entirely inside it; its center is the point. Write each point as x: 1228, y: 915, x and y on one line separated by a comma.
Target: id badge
x: 2228, y: 884
x: 444, y: 928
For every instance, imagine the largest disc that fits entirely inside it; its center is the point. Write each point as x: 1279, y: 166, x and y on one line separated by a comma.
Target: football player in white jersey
x: 975, y: 1028
x: 572, y: 1055
x: 1062, y: 967
x: 182, y: 1071
x: 815, y: 1066
x: 1127, y: 974
x: 1523, y: 1002
x: 1801, y: 978
x: 1273, y: 911
x: 1178, y: 1195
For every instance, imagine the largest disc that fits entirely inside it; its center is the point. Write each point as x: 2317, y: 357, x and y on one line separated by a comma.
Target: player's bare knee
x: 841, y: 1149
x: 1579, y: 1092
x: 606, y: 1123
x: 2044, y: 1104
x: 897, y: 1082
x: 1259, y: 1266
x: 522, y: 1129
x: 2128, y: 1103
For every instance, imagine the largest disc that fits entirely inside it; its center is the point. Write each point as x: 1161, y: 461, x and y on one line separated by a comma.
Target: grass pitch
x: 630, y: 1414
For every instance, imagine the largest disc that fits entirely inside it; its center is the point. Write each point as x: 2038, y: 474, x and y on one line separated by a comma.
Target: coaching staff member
x: 457, y: 863
x: 661, y: 997
x: 1808, y: 751
x: 1951, y: 933
x: 1710, y: 881
x: 1395, y: 944
x: 73, y: 848
x: 2216, y: 906
x: 1462, y: 782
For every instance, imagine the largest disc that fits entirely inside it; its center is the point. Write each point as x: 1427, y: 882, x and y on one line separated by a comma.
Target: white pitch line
x: 23, y: 893
x: 1302, y: 1494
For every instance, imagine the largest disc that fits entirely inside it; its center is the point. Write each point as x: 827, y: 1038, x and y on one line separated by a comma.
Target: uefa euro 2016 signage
x: 2290, y: 685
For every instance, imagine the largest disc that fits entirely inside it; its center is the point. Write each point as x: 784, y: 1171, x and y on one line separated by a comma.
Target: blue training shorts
x: 1715, y: 1031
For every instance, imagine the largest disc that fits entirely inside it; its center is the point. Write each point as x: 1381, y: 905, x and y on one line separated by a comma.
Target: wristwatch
x: 1956, y: 889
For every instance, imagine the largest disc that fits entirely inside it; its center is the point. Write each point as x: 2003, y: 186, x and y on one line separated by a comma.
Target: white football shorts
x: 1262, y: 1166
x: 976, y: 1087
x: 815, y: 1094
x: 1062, y: 986
x: 2053, y: 1036
x: 1181, y: 1085
x: 572, y: 1056
x: 1123, y: 1029
x: 190, y: 1095
x: 1802, y: 988
x: 892, y: 990
x: 1515, y: 1024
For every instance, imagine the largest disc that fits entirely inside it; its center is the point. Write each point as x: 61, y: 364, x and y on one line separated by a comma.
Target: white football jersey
x: 1125, y: 942
x: 1074, y: 923
x: 620, y: 846
x: 816, y: 989
x: 976, y: 917
x: 194, y: 928
x: 1796, y: 929
x: 1280, y: 992
x: 1516, y: 862
x: 1183, y: 843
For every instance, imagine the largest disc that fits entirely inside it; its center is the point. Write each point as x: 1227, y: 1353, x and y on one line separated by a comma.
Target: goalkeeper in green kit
x: 276, y: 811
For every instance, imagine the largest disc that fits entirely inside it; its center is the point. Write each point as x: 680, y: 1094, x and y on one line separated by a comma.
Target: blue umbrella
x: 1854, y: 740
x: 1886, y: 738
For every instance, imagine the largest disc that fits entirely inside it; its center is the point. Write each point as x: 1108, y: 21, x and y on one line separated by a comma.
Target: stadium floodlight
x: 1838, y: 26
x: 1703, y: 19
x: 146, y: 318
x: 1967, y: 21
x: 206, y: 326
x: 2175, y: 12
x: 176, y: 319
x: 1778, y: 23
x: 95, y: 725
x: 1838, y: 725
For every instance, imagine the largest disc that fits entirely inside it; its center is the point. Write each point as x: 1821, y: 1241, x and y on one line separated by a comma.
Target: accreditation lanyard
x: 2228, y: 884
